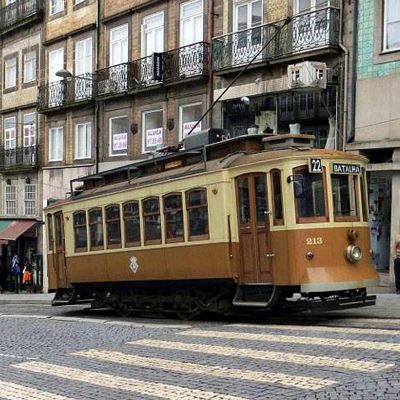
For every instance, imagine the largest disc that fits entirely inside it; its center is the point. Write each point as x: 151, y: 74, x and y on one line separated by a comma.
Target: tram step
x: 252, y: 295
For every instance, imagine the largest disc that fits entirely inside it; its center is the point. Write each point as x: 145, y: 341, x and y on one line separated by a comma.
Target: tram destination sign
x: 340, y: 168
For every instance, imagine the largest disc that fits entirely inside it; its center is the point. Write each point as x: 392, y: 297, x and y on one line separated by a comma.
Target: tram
x: 256, y: 222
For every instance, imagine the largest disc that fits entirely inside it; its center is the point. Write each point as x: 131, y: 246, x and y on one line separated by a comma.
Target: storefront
x: 19, y: 236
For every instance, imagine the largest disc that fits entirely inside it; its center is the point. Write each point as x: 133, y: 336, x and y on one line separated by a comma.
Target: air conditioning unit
x: 307, y: 75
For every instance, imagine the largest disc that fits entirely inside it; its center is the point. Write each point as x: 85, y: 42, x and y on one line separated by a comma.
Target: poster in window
x: 187, y: 127
x: 120, y: 141
x: 154, y: 137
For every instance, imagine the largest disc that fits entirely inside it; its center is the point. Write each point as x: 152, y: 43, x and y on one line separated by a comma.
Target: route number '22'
x: 315, y: 165
x: 314, y: 240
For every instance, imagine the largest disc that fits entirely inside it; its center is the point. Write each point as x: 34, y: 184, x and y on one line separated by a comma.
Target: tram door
x: 253, y: 229
x: 61, y: 268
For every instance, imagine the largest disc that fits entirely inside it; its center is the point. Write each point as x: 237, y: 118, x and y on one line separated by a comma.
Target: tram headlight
x: 353, y: 253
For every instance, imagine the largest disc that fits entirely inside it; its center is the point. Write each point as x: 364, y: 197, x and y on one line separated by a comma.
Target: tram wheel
x: 122, y: 310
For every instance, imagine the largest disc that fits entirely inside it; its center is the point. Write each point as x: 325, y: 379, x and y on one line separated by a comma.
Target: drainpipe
x: 354, y: 71
x: 345, y: 78
x: 96, y: 104
x: 210, y: 87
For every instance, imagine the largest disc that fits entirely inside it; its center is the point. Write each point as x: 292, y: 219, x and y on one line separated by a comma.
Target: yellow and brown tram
x: 255, y: 221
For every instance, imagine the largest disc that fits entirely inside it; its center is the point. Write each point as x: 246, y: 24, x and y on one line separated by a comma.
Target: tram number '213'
x: 314, y: 241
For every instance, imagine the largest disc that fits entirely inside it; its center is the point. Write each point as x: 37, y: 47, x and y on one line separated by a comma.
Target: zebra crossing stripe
x: 337, y: 329
x: 280, y: 356
x: 161, y: 390
x: 301, y: 382
x: 14, y: 391
x: 347, y: 343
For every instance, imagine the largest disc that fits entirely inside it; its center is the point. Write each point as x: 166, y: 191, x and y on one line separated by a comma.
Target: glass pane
x: 58, y: 231
x: 50, y: 232
x: 242, y: 17
x: 393, y: 40
x: 344, y: 195
x: 174, y: 224
x: 256, y: 16
x: 261, y: 200
x: 80, y: 237
x: 96, y: 228
x: 244, y: 201
x: 312, y: 203
x: 113, y: 232
x: 112, y: 213
x: 304, y: 5
x: 152, y: 227
x: 197, y: 198
x: 198, y: 221
x: 393, y: 10
x: 172, y: 202
x: 276, y: 181
x: 151, y: 206
x: 131, y: 209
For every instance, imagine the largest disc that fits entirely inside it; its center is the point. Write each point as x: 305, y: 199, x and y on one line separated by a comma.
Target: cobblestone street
x: 64, y: 353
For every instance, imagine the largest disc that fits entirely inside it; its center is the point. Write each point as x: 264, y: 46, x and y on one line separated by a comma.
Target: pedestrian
x: 16, y: 271
x: 396, y: 252
x: 27, y: 276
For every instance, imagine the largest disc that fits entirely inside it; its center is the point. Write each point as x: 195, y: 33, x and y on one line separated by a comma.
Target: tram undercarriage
x: 187, y: 301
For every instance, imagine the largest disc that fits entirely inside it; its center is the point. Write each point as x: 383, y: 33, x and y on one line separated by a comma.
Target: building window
x: 119, y: 136
x: 11, y: 199
x: 188, y: 116
x: 119, y: 45
x: 29, y: 66
x: 391, y: 35
x: 80, y: 231
x: 152, y: 221
x: 153, y: 130
x: 173, y: 214
x: 132, y: 224
x: 96, y: 229
x: 10, y: 133
x: 197, y: 209
x: 113, y: 223
x: 191, y: 30
x: 56, y: 62
x: 56, y: 6
x: 29, y: 129
x: 56, y: 144
x: 153, y: 34
x: 30, y: 200
x: 83, y: 137
x: 10, y: 73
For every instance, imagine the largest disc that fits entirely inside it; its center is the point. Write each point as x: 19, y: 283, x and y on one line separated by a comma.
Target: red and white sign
x: 154, y: 137
x: 120, y: 141
x: 187, y: 126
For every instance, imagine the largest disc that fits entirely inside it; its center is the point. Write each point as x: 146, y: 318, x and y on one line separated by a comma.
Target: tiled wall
x: 366, y: 67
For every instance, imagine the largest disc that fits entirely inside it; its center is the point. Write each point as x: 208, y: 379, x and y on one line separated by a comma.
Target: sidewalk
x: 26, y: 298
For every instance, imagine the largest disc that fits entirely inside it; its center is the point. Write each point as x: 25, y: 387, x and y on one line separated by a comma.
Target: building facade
x: 377, y: 119
x: 20, y: 155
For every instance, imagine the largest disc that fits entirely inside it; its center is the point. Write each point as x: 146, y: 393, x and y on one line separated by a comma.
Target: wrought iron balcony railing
x: 305, y: 32
x: 65, y: 93
x: 112, y: 80
x: 19, y: 158
x: 187, y: 62
x: 18, y: 13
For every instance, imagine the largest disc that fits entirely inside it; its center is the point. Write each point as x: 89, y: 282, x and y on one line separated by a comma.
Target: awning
x: 11, y: 229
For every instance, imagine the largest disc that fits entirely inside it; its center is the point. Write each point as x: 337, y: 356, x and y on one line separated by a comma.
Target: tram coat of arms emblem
x: 134, y: 266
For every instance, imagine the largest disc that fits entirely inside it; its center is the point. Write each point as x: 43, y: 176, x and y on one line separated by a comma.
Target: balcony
x: 182, y: 64
x: 309, y: 32
x: 20, y: 13
x: 18, y: 159
x: 69, y: 92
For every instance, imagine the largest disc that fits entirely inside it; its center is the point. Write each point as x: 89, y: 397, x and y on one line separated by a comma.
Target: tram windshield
x: 344, y: 194
x: 311, y: 204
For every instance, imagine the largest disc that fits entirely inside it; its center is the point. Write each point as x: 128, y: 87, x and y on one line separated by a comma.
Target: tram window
x: 50, y: 232
x: 197, y: 209
x: 244, y: 201
x: 261, y: 199
x: 59, y: 237
x: 132, y: 224
x: 311, y: 206
x: 344, y: 195
x: 173, y: 215
x: 277, y: 198
x: 364, y: 198
x: 80, y: 231
x: 113, y: 224
x: 152, y: 221
x: 96, y: 229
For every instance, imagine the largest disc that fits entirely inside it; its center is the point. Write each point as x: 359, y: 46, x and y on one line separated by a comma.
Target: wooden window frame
x: 364, y: 196
x: 177, y: 239
x: 137, y: 243
x: 349, y: 218
x: 144, y: 215
x: 107, y: 221
x: 311, y: 220
x: 50, y: 233
x: 91, y: 247
x: 80, y: 249
x: 189, y: 208
x: 277, y: 221
x: 58, y: 245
